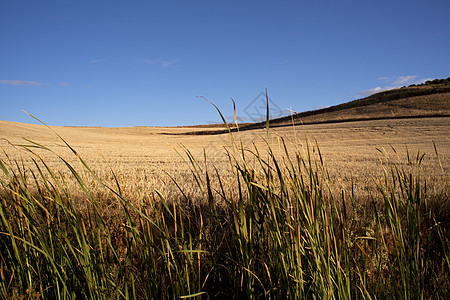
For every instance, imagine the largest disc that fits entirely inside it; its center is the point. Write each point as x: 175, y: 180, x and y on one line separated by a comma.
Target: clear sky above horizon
x: 143, y: 63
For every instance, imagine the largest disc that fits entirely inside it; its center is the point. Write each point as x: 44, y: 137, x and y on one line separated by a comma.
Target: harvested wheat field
x: 144, y: 157
x: 350, y: 208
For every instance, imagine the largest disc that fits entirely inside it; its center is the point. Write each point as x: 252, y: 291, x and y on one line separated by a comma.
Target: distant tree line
x: 434, y: 82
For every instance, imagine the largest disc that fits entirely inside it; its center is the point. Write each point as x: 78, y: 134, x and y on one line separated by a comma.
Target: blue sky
x: 134, y: 63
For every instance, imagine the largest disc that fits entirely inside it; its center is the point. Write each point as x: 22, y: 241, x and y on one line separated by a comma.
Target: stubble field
x: 145, y: 158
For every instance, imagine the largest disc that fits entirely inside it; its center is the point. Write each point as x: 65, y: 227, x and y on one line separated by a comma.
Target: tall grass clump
x: 277, y: 231
x: 416, y: 226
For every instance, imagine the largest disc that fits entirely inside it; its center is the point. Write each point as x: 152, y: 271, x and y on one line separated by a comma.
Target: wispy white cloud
x: 402, y: 80
x: 397, y: 81
x: 96, y: 61
x: 161, y: 62
x: 64, y: 83
x: 394, y: 82
x: 21, y: 82
x: 365, y: 93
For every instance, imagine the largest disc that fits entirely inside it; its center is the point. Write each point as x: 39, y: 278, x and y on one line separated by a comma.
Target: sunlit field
x: 146, y: 158
x: 357, y: 209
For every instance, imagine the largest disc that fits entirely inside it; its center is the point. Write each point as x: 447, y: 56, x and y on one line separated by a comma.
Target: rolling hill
x: 407, y: 102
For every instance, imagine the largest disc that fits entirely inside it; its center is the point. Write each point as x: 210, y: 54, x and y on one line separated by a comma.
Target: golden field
x: 145, y: 157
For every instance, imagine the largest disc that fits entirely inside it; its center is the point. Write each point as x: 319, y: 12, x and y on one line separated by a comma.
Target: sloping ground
x: 404, y: 102
x: 408, y: 102
x: 418, y: 106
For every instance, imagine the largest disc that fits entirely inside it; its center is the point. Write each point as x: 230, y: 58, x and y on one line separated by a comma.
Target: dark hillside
x: 412, y: 97
x: 430, y: 100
